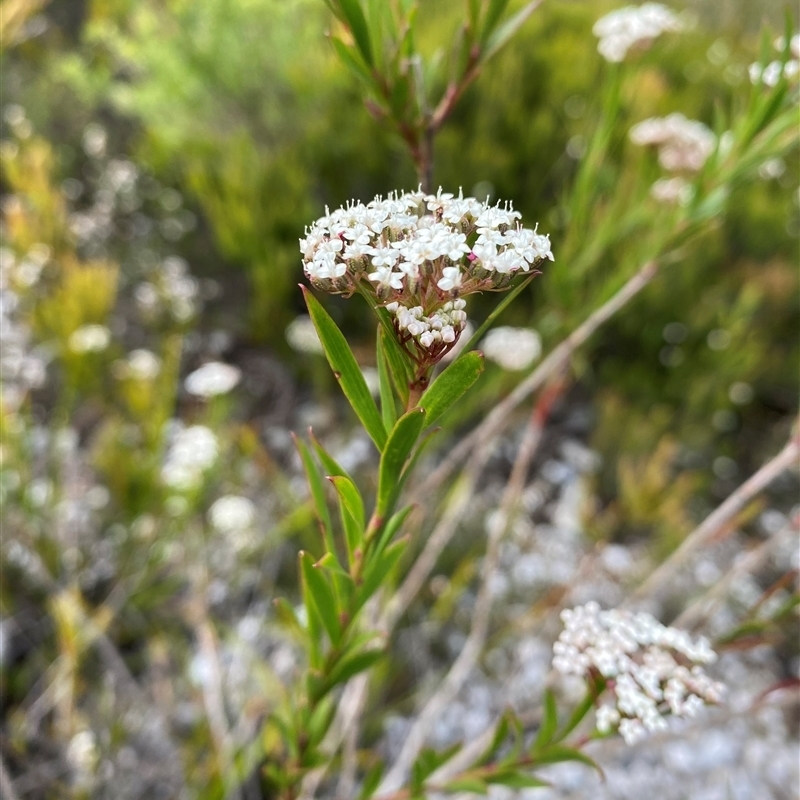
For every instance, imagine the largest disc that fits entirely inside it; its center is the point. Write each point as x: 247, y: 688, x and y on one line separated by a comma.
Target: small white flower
x: 450, y: 280
x: 89, y: 339
x: 213, y: 378
x: 386, y: 277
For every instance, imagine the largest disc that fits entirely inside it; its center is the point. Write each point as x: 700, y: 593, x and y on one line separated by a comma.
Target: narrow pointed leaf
x: 319, y: 597
x: 329, y: 463
x: 287, y: 616
x: 391, y: 528
x: 352, y: 513
x: 500, y: 37
x: 317, y: 491
x: 557, y: 753
x: 549, y: 721
x: 351, y: 664
x: 351, y: 61
x: 379, y: 568
x: 354, y: 16
x: 517, y: 780
x: 401, y: 441
x: 493, y: 14
x: 346, y: 370
x: 371, y: 781
x: 448, y: 388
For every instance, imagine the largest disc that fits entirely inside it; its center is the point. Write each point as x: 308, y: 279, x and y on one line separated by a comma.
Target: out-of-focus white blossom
x: 671, y: 190
x: 89, y: 339
x: 512, y: 348
x: 232, y: 514
x: 191, y: 453
x: 633, y: 27
x: 302, y: 335
x: 212, y: 379
x: 141, y: 365
x: 651, y: 671
x: 419, y: 255
x: 683, y: 144
x: 770, y: 74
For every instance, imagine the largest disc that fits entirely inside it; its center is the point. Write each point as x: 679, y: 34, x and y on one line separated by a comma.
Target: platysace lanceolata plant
x: 418, y: 256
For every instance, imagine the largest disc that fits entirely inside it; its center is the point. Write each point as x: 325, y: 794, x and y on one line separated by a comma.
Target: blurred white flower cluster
x: 212, y: 379
x: 684, y: 145
x: 633, y: 27
x: 651, y: 670
x: 232, y: 514
x: 770, y: 74
x: 172, y: 290
x: 192, y: 451
x: 513, y: 349
x: 302, y: 336
x: 22, y: 366
x: 419, y: 254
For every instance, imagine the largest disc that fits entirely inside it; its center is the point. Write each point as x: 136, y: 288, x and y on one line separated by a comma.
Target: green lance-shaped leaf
x: 516, y: 779
x: 549, y: 721
x: 317, y: 487
x: 320, y: 720
x: 394, y: 524
x: 352, y: 510
x: 448, y: 388
x: 355, y: 660
x: 556, y: 753
x: 357, y: 22
x: 371, y: 781
x: 493, y: 14
x: 352, y: 62
x: 346, y: 369
x: 428, y: 761
x: 319, y: 598
x: 500, y: 37
x: 473, y: 785
x: 401, y: 441
x: 379, y: 567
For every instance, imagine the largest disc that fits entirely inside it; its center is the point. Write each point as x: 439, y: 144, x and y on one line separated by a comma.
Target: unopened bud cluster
x: 418, y: 255
x: 652, y: 671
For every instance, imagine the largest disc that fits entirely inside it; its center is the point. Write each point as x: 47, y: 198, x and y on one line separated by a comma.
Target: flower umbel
x: 418, y: 255
x: 652, y: 671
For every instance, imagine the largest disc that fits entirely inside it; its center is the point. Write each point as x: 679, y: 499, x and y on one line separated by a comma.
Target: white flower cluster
x: 651, y: 670
x: 684, y: 145
x: 418, y: 254
x: 192, y: 451
x: 212, y: 379
x: 512, y: 348
x: 632, y: 27
x: 140, y: 365
x: 770, y: 74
